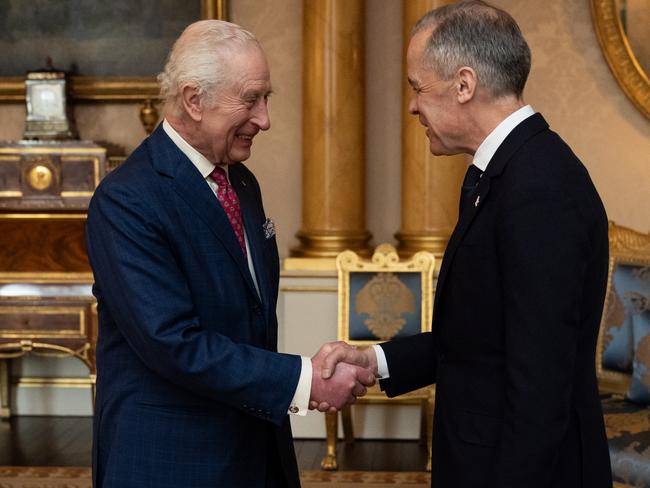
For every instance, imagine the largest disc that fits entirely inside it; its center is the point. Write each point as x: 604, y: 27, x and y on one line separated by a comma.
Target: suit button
x: 292, y: 409
x: 257, y: 309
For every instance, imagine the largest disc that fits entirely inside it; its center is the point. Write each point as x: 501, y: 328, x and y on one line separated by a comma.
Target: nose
x: 413, y: 106
x: 261, y: 115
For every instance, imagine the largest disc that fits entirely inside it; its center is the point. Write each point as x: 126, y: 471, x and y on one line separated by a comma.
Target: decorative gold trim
x: 77, y: 312
x: 46, y: 278
x: 616, y: 49
x: 50, y: 150
x: 42, y: 349
x: 308, y: 273
x: 11, y: 194
x: 309, y: 264
x: 385, y: 259
x: 73, y: 194
x: 45, y: 216
x: 626, y: 246
x: 43, y: 382
x: 328, y: 245
x: 110, y: 88
x: 309, y: 289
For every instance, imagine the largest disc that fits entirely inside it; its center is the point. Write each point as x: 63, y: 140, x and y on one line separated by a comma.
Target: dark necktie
x: 230, y: 204
x: 472, y: 177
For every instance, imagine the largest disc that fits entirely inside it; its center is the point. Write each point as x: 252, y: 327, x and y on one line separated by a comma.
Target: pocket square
x: 269, y: 228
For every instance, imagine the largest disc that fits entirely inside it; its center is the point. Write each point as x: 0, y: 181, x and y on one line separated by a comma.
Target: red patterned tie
x: 230, y: 203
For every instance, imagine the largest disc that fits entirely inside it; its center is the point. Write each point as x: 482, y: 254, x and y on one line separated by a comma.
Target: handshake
x: 340, y: 374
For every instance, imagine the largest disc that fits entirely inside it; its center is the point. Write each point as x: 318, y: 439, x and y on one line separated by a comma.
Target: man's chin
x: 239, y: 155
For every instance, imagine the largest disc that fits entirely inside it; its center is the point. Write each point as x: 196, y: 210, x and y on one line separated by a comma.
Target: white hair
x: 200, y: 58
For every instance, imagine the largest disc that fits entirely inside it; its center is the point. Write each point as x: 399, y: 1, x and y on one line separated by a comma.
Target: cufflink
x: 293, y: 409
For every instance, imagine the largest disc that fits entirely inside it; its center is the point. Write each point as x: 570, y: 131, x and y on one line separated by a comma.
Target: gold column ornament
x: 430, y: 184
x: 5, y: 377
x: 149, y: 116
x: 333, y: 178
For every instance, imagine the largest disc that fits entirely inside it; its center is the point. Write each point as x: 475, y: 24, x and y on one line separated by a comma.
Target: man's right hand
x: 340, y: 373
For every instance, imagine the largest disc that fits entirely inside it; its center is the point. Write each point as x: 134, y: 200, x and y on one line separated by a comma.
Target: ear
x: 192, y: 102
x: 466, y: 81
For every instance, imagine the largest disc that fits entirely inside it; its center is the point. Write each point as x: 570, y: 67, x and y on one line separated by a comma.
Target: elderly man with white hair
x: 191, y: 390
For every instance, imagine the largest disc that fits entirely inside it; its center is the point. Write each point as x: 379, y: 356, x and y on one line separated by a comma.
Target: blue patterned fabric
x: 618, y: 350
x: 636, y: 300
x: 628, y: 436
x: 384, y: 305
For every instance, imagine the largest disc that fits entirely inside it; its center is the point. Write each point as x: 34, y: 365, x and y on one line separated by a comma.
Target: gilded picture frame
x: 620, y: 58
x: 415, y: 273
x: 114, y: 88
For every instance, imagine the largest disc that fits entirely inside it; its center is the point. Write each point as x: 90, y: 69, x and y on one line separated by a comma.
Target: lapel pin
x: 478, y: 199
x: 243, y: 183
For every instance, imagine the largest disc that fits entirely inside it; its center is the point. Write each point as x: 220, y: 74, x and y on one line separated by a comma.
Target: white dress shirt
x: 300, y: 402
x: 481, y: 160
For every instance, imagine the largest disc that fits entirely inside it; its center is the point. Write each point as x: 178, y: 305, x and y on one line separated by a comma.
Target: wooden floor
x: 66, y: 441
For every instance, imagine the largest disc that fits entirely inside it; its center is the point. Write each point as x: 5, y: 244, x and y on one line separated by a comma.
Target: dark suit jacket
x: 516, y: 317
x: 190, y: 392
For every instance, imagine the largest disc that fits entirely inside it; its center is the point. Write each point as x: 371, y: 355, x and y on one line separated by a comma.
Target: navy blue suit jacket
x: 190, y: 390
x: 516, y: 316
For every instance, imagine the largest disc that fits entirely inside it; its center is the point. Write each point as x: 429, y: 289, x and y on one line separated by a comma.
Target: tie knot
x: 219, y: 176
x: 472, y: 176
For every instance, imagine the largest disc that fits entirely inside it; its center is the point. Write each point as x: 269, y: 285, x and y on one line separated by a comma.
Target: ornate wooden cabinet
x: 46, y: 304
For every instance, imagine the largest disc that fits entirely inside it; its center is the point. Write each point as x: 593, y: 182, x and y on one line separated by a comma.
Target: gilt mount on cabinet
x: 48, y: 175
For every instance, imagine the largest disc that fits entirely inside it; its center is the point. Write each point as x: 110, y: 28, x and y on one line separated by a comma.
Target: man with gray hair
x: 191, y: 391
x: 520, y: 291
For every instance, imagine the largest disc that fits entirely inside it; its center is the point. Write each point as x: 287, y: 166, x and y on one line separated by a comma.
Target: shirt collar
x: 492, y: 142
x: 204, y: 166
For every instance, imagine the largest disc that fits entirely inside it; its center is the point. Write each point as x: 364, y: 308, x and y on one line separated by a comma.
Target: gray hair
x: 200, y: 58
x: 475, y: 34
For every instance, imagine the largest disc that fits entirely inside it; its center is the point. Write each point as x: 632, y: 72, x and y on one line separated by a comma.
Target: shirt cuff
x: 382, y: 364
x: 300, y: 403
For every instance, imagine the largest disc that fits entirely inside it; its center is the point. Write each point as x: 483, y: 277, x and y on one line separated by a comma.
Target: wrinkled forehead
x: 249, y: 69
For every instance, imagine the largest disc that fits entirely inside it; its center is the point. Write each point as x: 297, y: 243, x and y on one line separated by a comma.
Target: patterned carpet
x: 23, y: 477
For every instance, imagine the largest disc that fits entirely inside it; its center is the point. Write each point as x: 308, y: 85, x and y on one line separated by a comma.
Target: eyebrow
x: 256, y: 93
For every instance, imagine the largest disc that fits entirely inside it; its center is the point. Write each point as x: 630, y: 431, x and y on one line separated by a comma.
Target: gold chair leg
x: 429, y: 427
x: 348, y: 429
x: 5, y: 387
x: 329, y: 461
x: 424, y: 421
x: 93, y: 389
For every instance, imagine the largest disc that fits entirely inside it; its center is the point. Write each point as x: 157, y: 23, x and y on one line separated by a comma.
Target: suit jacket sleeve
x: 544, y: 251
x: 147, y: 294
x: 411, y: 364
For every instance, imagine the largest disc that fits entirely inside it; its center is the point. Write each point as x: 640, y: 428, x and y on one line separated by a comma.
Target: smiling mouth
x: 245, y: 137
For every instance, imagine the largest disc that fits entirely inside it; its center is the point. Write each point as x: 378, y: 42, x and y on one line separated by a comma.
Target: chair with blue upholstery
x: 623, y: 356
x: 380, y: 299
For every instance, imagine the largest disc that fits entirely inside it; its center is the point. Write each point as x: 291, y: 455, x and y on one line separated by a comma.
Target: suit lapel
x: 253, y: 223
x: 191, y: 187
x: 519, y: 135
